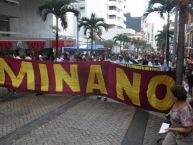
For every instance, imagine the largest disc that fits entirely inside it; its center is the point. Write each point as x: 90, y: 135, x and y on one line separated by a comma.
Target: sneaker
x: 105, y: 98
x: 38, y: 94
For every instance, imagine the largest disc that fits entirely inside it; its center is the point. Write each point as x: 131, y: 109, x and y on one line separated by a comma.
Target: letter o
x: 165, y: 103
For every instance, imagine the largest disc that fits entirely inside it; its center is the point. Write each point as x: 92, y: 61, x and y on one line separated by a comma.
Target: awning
x: 6, y: 44
x: 85, y: 48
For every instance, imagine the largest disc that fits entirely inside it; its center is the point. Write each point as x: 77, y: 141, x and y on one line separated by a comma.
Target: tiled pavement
x: 62, y: 120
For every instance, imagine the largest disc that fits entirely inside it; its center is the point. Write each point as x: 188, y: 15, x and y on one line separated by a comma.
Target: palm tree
x: 139, y: 44
x: 59, y: 9
x: 119, y: 38
x: 126, y: 41
x: 160, y: 38
x: 123, y: 40
x: 163, y: 7
x: 93, y: 26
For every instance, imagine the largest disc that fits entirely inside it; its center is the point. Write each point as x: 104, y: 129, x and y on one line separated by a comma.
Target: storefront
x: 9, y: 46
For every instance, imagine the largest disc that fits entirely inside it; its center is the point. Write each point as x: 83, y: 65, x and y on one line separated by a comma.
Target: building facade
x: 148, y: 32
x: 113, y: 12
x: 133, y: 22
x: 20, y: 18
x: 22, y: 27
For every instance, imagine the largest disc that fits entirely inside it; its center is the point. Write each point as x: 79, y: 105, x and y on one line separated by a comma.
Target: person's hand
x: 170, y: 129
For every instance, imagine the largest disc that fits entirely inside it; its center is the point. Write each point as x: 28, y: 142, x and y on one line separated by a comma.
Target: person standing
x: 181, y: 130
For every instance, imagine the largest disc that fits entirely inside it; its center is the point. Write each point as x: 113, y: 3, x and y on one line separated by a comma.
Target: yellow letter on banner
x: 44, y: 77
x: 25, y: 69
x: 123, y: 83
x: 71, y: 80
x: 165, y: 103
x: 96, y: 71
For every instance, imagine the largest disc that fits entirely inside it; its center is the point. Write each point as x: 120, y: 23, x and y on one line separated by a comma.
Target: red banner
x: 63, y: 43
x: 36, y: 44
x: 6, y: 44
x: 145, y: 89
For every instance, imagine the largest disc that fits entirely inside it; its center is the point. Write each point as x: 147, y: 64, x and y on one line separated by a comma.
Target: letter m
x: 26, y: 68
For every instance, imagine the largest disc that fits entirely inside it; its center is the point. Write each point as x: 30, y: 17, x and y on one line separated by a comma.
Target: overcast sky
x: 138, y: 7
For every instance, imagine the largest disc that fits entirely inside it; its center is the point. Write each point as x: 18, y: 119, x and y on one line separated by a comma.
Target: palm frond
x: 44, y: 14
x: 161, y: 7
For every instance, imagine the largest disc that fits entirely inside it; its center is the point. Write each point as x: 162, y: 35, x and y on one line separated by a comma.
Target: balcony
x: 113, y: 12
x: 112, y: 22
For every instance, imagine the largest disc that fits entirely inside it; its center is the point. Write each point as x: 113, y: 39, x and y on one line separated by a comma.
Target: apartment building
x: 22, y: 27
x: 20, y: 18
x: 148, y: 32
x: 113, y: 12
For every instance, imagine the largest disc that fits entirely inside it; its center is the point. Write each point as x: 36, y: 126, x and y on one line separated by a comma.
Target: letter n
x: 131, y: 90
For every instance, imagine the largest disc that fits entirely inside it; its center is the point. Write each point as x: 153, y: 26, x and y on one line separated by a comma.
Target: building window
x: 112, y: 8
x: 4, y: 25
x: 112, y: 17
x: 82, y: 8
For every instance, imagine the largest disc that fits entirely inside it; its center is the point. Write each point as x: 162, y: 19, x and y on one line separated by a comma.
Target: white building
x: 148, y: 31
x: 113, y: 32
x: 113, y: 12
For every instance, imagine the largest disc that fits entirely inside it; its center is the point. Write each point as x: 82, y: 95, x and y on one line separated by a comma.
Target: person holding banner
x: 181, y: 130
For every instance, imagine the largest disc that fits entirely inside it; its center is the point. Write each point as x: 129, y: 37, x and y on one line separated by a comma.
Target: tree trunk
x: 56, y: 36
x: 163, y: 48
x: 180, y: 48
x: 92, y: 37
x: 167, y: 40
x: 120, y: 45
x: 137, y: 51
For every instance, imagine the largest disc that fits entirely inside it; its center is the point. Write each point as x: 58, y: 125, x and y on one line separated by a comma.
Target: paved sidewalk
x: 63, y: 120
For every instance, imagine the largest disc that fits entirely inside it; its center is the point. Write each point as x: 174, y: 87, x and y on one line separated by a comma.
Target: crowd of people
x: 119, y: 58
x: 180, y: 131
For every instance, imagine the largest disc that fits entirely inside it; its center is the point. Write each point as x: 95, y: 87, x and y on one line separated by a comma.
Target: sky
x: 138, y: 7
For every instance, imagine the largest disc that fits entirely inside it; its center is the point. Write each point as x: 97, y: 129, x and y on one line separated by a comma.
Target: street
x: 27, y: 119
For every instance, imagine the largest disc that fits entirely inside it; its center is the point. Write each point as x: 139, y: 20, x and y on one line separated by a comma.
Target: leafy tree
x: 126, y: 41
x: 123, y: 40
x: 59, y: 9
x: 163, y: 7
x: 160, y: 38
x: 139, y: 44
x: 108, y: 43
x: 118, y: 38
x: 93, y: 26
x: 167, y: 7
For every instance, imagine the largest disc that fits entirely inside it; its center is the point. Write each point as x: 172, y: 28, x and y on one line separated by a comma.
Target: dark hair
x: 179, y: 92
